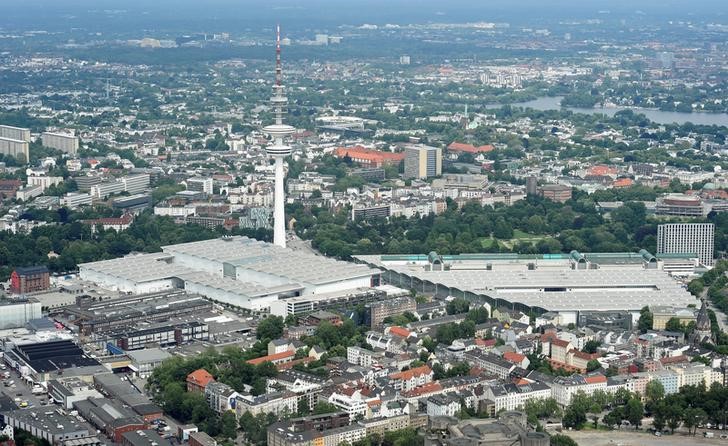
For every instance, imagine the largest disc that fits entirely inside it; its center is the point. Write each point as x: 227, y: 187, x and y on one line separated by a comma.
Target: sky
x: 329, y: 14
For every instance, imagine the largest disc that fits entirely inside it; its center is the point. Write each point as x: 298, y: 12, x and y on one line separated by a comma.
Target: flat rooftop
x: 615, y: 288
x: 266, y: 258
x: 54, y: 355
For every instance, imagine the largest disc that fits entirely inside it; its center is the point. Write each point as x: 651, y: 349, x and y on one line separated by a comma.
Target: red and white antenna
x: 279, y: 69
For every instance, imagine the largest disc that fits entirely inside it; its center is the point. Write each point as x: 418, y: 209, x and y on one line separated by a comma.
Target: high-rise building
x: 204, y: 185
x: 531, y: 186
x: 15, y: 147
x: 277, y: 149
x: 17, y: 133
x: 60, y: 141
x: 690, y: 238
x: 421, y: 161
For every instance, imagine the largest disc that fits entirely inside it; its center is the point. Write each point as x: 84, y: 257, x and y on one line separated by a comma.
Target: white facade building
x: 692, y: 238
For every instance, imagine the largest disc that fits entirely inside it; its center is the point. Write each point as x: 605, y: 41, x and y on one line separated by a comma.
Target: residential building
x: 198, y: 380
x: 376, y: 312
x: 221, y: 397
x: 19, y: 149
x: 360, y: 356
x: 692, y: 238
x: 490, y: 362
x: 412, y: 378
x: 285, y: 402
x: 356, y: 408
x: 17, y: 133
x: 564, y: 388
x: 204, y: 185
x: 318, y: 430
x: 422, y: 161
x: 513, y: 396
x: 60, y: 141
x: 443, y: 405
x: 29, y: 279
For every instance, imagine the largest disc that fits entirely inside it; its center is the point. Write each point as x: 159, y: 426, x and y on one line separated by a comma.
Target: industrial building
x: 563, y: 283
x: 16, y: 313
x: 60, y: 141
x: 50, y: 425
x: 236, y: 271
x: 117, y: 315
x: 42, y: 360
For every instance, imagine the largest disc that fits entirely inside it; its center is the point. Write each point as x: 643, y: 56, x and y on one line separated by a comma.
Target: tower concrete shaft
x: 277, y: 149
x: 279, y: 218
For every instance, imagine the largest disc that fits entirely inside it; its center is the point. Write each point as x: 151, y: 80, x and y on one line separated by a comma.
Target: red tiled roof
x: 399, y: 331
x: 559, y: 342
x: 513, y: 357
x: 432, y: 387
x: 271, y: 358
x: 371, y: 155
x: 583, y: 355
x: 123, y: 220
x: 595, y: 379
x: 408, y: 374
x: 674, y: 360
x: 623, y: 182
x: 200, y: 377
x: 485, y: 342
x: 602, y: 170
x: 469, y: 148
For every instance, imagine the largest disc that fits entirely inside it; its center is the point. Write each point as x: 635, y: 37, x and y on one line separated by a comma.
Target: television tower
x: 277, y: 149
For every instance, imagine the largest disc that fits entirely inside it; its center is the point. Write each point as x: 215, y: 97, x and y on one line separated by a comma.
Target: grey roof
x: 148, y: 355
x: 564, y: 290
x: 266, y: 258
x: 47, y: 420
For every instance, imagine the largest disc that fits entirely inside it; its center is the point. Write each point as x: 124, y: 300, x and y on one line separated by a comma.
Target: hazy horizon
x: 321, y: 14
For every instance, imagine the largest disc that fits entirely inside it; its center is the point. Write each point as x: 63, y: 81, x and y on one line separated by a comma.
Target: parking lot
x: 632, y: 438
x: 19, y: 391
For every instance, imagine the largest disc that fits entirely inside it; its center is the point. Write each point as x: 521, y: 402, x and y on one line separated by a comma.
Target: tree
x: 228, y: 425
x: 674, y: 324
x: 592, y: 365
x: 634, y: 411
x: 591, y: 346
x: 693, y: 417
x: 322, y: 407
x: 270, y: 328
x: 645, y: 321
x: 654, y: 392
x: 457, y: 306
x: 562, y: 440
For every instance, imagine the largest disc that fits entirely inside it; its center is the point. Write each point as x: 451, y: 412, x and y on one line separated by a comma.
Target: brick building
x: 29, y: 279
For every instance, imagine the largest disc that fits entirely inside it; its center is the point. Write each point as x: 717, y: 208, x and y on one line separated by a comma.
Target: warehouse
x: 42, y: 360
x: 237, y: 271
x: 567, y: 284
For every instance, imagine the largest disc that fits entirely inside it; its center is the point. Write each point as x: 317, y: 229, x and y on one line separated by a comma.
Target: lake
x: 658, y: 116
